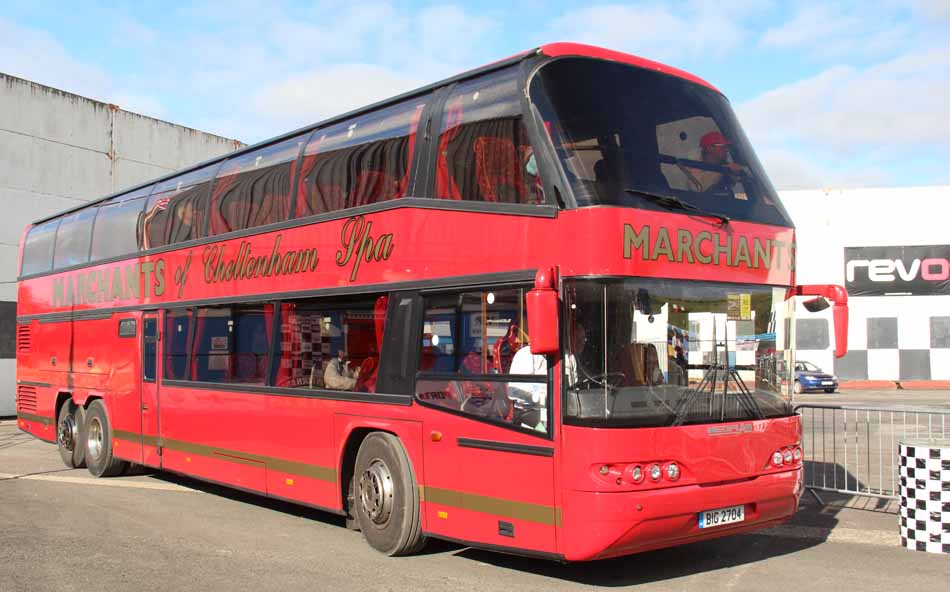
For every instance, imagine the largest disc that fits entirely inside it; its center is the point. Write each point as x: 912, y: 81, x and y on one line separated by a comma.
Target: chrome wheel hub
x: 376, y: 492
x: 67, y: 432
x: 94, y: 438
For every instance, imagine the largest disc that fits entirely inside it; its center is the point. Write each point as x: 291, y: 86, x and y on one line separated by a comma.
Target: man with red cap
x: 715, y: 152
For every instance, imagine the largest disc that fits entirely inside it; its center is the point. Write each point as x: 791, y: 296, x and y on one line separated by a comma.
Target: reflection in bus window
x: 621, y: 132
x: 115, y: 232
x: 177, y: 209
x: 231, y: 344
x: 253, y: 189
x: 330, y: 346
x: 666, y: 352
x: 470, y: 340
x: 38, y: 248
x: 177, y: 331
x: 72, y: 239
x: 484, y: 152
x: 360, y: 161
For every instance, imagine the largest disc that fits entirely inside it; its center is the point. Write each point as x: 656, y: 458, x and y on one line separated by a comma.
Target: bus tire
x: 387, y: 496
x: 99, y: 458
x: 70, y: 429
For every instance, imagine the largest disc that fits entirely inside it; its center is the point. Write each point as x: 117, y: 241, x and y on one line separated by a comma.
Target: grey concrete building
x: 58, y: 150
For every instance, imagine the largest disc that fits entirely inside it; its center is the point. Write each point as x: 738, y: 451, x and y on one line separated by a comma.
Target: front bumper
x: 601, y: 525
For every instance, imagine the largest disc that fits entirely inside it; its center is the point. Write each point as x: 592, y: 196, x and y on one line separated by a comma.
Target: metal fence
x: 853, y: 449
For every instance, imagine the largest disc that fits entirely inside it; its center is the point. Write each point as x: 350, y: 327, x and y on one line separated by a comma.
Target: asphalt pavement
x: 62, y: 529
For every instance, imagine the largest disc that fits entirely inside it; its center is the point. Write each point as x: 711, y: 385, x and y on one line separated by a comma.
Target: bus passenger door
x: 151, y: 363
x: 489, y: 457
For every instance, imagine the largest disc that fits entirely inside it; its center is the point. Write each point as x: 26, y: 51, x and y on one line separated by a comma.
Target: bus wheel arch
x: 346, y: 469
x: 386, y: 495
x: 70, y: 431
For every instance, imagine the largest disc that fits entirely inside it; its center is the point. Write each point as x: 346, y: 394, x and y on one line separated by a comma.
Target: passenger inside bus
x: 715, y: 152
x: 338, y: 375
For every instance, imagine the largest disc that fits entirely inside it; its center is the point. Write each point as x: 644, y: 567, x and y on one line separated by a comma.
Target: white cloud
x: 853, y: 126
x: 936, y: 10
x: 36, y: 56
x: 306, y: 98
x: 657, y: 31
x: 897, y: 103
x: 791, y: 169
x: 831, y: 30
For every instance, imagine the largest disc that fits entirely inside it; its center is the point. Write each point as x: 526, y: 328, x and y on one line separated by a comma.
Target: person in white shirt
x: 338, y: 376
x: 574, y: 349
x: 525, y: 362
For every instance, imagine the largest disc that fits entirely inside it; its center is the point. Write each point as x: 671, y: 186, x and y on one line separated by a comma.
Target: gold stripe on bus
x: 528, y: 512
x: 37, y: 418
x: 135, y: 438
x: 277, y: 464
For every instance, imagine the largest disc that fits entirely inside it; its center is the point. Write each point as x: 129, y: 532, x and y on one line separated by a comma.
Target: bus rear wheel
x: 387, y: 496
x: 70, y: 430
x: 99, y: 458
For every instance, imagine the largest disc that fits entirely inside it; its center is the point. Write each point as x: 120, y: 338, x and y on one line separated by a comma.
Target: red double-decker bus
x: 544, y: 307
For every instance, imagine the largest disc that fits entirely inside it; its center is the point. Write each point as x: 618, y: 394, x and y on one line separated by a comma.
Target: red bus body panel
x: 293, y: 447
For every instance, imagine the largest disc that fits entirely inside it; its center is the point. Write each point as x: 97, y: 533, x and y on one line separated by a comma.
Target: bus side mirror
x: 542, y: 304
x: 839, y: 296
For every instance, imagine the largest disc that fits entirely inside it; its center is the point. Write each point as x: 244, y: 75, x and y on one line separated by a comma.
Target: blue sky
x: 834, y: 93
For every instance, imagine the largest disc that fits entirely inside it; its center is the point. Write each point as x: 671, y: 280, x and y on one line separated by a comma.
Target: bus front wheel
x: 387, y: 496
x: 99, y: 458
x: 70, y: 430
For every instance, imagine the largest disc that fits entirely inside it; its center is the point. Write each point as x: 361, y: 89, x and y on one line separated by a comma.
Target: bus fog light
x: 777, y: 459
x: 673, y: 471
x: 604, y: 469
x: 655, y: 472
x: 788, y: 457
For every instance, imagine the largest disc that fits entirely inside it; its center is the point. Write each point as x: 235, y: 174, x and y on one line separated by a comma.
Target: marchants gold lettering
x: 704, y: 247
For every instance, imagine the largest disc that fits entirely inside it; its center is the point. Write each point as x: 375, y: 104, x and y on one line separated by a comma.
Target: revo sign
x: 916, y: 270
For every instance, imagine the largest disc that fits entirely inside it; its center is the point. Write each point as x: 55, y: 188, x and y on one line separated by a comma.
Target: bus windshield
x: 628, y: 136
x: 647, y: 353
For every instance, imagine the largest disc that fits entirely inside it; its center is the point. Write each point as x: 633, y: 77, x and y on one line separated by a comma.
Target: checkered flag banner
x: 925, y: 495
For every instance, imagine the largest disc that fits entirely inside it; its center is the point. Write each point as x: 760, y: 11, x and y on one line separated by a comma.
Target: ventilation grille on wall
x: 26, y: 398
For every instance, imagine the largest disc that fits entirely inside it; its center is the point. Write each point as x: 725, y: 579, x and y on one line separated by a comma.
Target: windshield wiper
x: 671, y: 202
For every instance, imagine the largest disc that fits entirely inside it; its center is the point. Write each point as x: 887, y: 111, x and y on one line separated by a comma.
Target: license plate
x: 826, y: 382
x: 711, y: 518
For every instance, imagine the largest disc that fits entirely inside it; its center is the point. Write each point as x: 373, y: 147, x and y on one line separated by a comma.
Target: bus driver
x: 715, y: 152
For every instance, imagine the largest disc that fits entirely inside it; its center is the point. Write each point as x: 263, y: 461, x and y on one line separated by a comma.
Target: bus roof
x: 558, y: 49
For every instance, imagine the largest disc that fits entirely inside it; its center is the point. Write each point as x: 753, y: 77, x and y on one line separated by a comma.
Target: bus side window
x: 476, y: 359
x: 177, y: 330
x: 253, y: 189
x: 72, y: 239
x: 231, y: 344
x: 484, y: 152
x: 38, y: 248
x: 177, y: 209
x: 114, y: 233
x: 360, y: 161
x: 330, y: 346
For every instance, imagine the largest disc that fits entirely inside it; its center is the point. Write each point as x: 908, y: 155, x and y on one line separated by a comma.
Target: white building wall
x: 58, y: 150
x: 826, y: 222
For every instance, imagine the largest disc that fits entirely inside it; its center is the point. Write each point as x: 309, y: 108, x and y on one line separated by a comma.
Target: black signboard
x: 912, y: 270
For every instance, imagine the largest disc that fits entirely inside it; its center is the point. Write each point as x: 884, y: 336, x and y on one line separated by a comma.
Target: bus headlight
x: 655, y: 472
